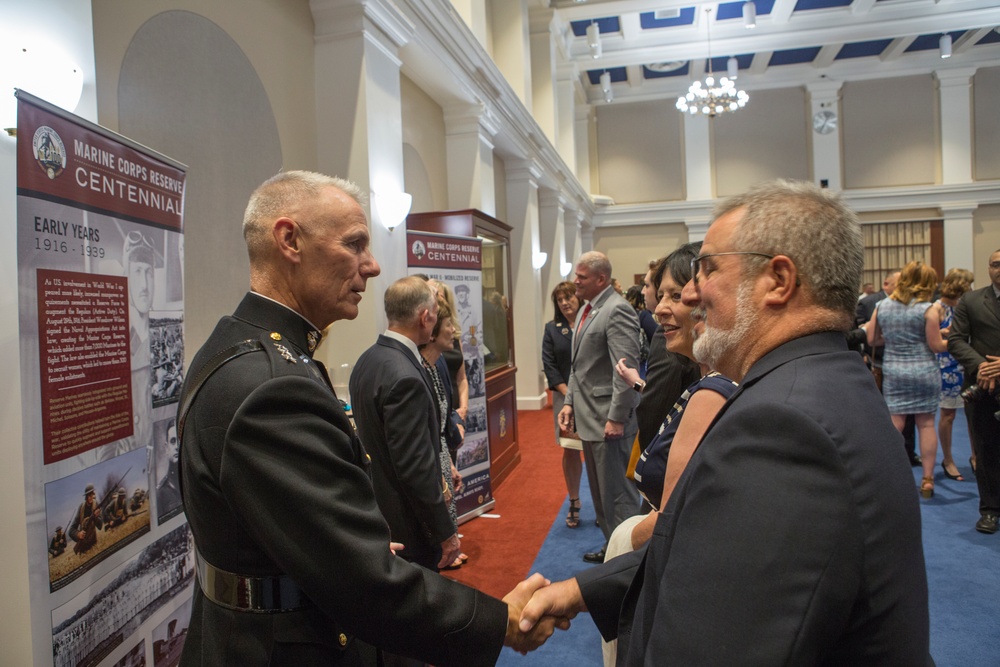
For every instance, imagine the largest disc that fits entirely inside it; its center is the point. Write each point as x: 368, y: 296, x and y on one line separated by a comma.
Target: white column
x: 826, y: 164
x: 955, y: 98
x: 473, y: 12
x: 469, y: 132
x: 586, y: 236
x: 551, y: 215
x: 543, y: 73
x: 357, y: 83
x: 511, y: 50
x: 583, y: 117
x: 567, y: 80
x: 522, y: 215
x: 697, y: 158
x: 697, y: 227
x: 959, y: 252
x: 574, y: 239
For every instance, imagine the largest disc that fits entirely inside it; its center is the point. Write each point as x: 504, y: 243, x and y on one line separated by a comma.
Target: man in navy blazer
x: 397, y: 419
x: 975, y: 341
x: 793, y: 535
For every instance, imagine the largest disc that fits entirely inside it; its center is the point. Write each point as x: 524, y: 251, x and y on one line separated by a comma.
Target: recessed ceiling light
x: 668, y: 66
x: 662, y: 14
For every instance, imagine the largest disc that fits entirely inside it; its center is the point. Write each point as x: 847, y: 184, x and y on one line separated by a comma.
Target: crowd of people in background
x: 903, y: 337
x: 749, y: 478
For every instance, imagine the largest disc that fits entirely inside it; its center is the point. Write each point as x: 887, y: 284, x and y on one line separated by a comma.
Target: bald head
x: 309, y: 245
x: 286, y: 194
x: 406, y: 298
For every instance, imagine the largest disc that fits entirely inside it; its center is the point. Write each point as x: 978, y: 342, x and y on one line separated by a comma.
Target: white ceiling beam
x: 781, y: 12
x: 789, y: 76
x: 689, y: 43
x: 631, y: 26
x: 597, y: 10
x: 896, y: 48
x: 826, y: 56
x: 859, y: 7
x: 969, y: 39
x: 635, y: 78
x: 760, y: 62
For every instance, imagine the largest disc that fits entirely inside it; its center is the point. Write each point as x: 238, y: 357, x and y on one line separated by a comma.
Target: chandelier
x: 713, y: 97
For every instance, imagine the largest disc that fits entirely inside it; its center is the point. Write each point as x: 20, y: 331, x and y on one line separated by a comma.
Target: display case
x: 497, y: 326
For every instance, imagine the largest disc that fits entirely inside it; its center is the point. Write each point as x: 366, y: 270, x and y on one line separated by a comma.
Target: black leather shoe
x: 915, y: 461
x: 987, y: 524
x: 598, y: 556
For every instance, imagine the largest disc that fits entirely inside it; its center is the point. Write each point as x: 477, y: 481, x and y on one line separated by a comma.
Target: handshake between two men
x: 536, y: 607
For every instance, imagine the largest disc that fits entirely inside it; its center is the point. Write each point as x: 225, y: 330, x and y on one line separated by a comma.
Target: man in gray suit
x: 975, y: 341
x: 397, y: 419
x: 599, y: 405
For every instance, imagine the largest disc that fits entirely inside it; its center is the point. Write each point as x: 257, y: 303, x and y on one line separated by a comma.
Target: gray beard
x: 715, y: 345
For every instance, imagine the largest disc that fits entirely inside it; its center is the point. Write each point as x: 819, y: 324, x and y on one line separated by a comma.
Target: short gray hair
x: 406, y: 297
x: 284, y: 194
x: 810, y: 225
x: 597, y: 262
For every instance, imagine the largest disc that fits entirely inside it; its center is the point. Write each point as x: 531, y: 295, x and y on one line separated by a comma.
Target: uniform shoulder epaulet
x: 287, y: 360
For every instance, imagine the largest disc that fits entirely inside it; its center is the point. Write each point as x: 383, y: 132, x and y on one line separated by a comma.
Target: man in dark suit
x: 397, y: 418
x: 793, y: 535
x: 599, y: 404
x: 292, y: 553
x: 975, y: 341
x: 866, y: 304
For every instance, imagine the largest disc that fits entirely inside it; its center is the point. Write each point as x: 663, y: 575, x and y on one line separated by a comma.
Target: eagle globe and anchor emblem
x: 49, y: 151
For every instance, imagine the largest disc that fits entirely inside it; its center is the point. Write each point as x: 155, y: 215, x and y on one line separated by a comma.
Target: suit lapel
x: 990, y: 300
x: 595, y: 308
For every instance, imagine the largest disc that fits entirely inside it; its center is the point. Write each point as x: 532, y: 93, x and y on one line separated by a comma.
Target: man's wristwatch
x: 639, y: 386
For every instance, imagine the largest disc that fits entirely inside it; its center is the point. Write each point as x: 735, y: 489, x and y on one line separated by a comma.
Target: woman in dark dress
x: 557, y: 355
x: 661, y: 464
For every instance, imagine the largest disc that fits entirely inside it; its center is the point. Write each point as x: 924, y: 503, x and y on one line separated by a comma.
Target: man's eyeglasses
x: 696, y: 261
x: 995, y: 265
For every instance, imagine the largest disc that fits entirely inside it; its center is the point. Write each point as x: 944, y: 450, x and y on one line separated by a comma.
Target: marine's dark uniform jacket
x: 275, y: 482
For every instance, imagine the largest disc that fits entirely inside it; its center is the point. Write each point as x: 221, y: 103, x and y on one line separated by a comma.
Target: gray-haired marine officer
x: 293, y: 558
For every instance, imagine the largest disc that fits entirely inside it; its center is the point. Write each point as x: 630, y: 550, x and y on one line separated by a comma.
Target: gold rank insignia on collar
x: 312, y: 340
x: 275, y: 335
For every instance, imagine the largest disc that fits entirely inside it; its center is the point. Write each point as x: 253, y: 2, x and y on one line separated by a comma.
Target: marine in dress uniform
x: 292, y: 555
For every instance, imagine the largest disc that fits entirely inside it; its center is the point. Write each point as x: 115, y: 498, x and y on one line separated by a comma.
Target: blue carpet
x: 962, y: 575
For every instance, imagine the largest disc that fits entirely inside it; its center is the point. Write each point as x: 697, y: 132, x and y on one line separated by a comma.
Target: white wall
x: 68, y: 24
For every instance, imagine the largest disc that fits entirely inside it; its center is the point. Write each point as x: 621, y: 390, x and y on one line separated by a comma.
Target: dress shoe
x: 598, y: 556
x: 915, y: 461
x: 987, y: 524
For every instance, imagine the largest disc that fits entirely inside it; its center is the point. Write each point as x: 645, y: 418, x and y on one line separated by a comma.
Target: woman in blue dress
x: 910, y: 327
x: 955, y: 284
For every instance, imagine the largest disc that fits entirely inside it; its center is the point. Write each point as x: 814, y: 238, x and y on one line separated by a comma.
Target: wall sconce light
x: 594, y: 40
x: 392, y: 208
x: 733, y: 67
x: 44, y: 71
x: 749, y: 14
x: 538, y: 260
x: 945, y: 45
x: 565, y: 268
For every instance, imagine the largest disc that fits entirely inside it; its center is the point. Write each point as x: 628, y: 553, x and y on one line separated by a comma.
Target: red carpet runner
x: 502, y: 550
